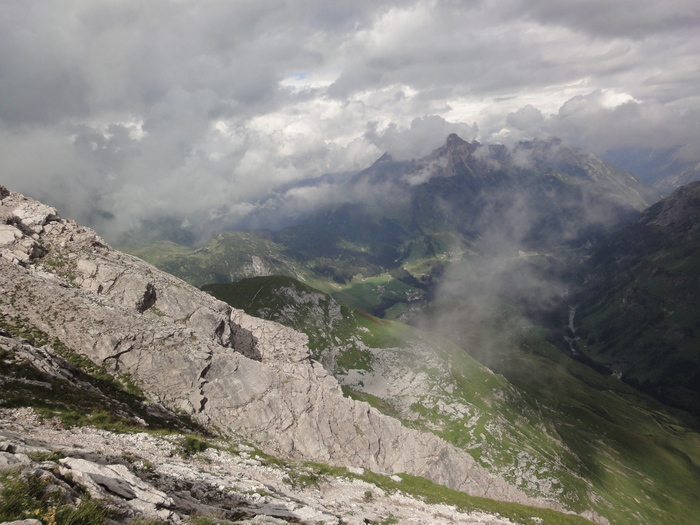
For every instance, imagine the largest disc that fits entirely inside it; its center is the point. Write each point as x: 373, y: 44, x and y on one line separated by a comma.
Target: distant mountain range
x: 665, y: 169
x: 536, y: 194
x: 401, y: 224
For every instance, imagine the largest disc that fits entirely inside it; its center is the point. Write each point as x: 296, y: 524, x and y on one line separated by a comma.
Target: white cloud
x: 136, y: 109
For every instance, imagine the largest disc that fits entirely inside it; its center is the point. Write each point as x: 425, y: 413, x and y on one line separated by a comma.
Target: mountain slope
x: 228, y: 256
x: 239, y: 375
x: 638, y: 301
x: 91, y: 476
x: 549, y: 424
x: 664, y: 168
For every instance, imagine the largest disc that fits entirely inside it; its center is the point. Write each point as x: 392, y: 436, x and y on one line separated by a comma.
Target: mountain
x: 480, y: 248
x: 546, y: 422
x: 635, y: 309
x: 469, y: 231
x: 385, y: 246
x: 92, y: 336
x: 662, y: 168
x: 536, y: 195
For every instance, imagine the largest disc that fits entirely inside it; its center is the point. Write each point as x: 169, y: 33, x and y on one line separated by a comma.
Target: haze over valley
x: 349, y: 263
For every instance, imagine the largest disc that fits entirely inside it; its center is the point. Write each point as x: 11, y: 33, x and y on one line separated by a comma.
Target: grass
x: 192, y: 445
x: 302, y: 479
x: 310, y: 474
x: 639, y: 313
x: 30, y: 496
x: 209, y: 520
x: 374, y: 401
x: 643, y: 461
x: 433, y: 493
x: 307, y: 474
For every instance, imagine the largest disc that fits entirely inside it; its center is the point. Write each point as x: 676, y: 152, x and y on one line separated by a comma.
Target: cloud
x: 601, y: 121
x: 526, y: 118
x: 626, y: 18
x: 420, y: 138
x: 117, y: 111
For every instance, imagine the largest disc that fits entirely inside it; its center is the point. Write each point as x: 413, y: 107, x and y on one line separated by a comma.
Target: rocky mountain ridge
x: 246, y: 377
x: 545, y: 422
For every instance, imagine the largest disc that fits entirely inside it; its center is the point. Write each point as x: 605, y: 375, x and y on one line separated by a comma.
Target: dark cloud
x: 129, y: 109
x: 622, y: 18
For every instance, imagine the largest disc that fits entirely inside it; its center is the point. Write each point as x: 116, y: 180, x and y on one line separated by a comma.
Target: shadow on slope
x: 546, y: 422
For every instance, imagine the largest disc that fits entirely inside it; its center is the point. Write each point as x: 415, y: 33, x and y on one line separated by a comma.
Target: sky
x: 124, y: 110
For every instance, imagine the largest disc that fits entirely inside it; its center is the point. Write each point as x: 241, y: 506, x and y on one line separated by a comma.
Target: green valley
x: 551, y: 425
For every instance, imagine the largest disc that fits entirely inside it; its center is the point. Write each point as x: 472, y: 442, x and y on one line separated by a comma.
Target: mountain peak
x: 454, y: 140
x: 386, y: 157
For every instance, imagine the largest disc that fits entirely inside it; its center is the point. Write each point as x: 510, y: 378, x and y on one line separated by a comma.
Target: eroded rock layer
x: 190, y: 352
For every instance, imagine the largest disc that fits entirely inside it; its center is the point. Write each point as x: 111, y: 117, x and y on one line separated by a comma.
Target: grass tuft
x: 30, y: 496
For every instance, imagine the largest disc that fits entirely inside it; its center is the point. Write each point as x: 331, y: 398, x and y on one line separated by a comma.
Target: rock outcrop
x: 244, y: 376
x: 143, y: 476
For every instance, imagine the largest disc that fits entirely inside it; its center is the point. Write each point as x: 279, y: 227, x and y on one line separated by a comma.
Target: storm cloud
x: 118, y: 111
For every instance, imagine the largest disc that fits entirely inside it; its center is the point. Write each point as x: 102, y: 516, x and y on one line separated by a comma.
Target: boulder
x: 110, y: 481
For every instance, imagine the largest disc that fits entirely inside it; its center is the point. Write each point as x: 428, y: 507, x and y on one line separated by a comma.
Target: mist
x: 497, y: 296
x: 124, y: 113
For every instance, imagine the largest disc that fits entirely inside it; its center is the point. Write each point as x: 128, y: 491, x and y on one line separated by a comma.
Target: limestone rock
x: 248, y: 377
x: 227, y: 484
x: 105, y: 481
x: 10, y: 461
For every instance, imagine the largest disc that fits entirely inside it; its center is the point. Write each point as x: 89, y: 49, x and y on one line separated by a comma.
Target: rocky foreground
x: 146, y: 475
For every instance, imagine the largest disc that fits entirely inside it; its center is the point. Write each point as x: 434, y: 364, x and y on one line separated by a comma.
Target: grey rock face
x: 105, y: 481
x: 11, y: 461
x: 141, y: 477
x: 248, y: 377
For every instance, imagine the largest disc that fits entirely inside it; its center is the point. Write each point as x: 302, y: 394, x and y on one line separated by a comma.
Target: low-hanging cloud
x: 595, y: 123
x: 122, y: 111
